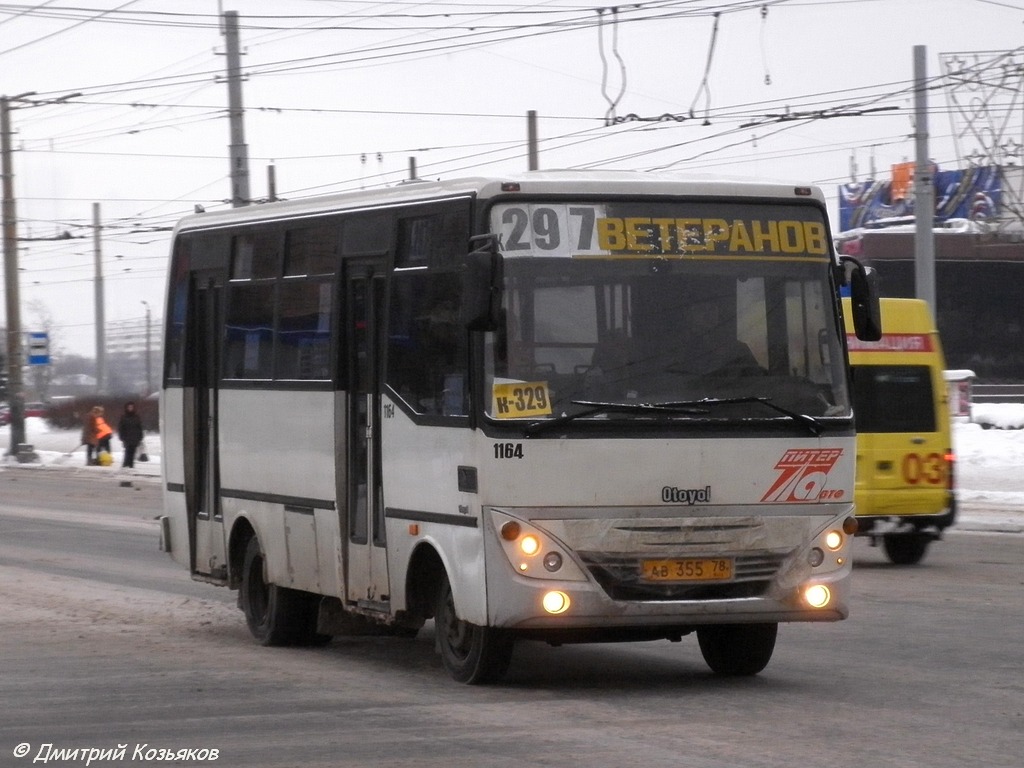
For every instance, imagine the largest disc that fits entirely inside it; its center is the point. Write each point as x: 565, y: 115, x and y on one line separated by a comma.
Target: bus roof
x: 529, y: 183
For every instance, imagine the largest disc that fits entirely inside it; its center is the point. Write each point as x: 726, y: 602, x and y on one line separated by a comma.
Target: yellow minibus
x: 904, y: 490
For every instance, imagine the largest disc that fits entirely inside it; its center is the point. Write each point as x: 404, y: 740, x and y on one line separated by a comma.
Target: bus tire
x: 471, y: 654
x: 737, y: 650
x: 905, y: 548
x: 275, y: 615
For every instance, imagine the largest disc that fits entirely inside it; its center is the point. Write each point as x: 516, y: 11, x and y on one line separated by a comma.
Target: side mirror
x: 481, y: 284
x: 866, y: 311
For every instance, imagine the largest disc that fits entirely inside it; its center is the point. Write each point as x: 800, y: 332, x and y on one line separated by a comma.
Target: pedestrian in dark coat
x: 129, y: 431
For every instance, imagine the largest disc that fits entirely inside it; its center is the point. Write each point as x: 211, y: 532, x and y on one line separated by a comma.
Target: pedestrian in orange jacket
x: 95, y: 435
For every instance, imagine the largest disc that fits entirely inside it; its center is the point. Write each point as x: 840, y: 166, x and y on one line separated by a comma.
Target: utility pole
x: 10, y: 235
x: 239, y: 150
x: 101, y: 343
x: 149, y: 378
x: 531, y: 140
x: 271, y: 183
x: 9, y: 222
x: 924, y: 191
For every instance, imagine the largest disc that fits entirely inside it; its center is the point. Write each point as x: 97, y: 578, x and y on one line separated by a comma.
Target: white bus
x: 565, y: 407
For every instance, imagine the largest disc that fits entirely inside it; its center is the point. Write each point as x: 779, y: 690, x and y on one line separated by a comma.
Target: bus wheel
x: 737, y: 650
x: 905, y: 548
x: 471, y: 654
x: 275, y: 615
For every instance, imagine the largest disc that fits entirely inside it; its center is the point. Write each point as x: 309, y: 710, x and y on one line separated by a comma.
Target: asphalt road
x: 105, y: 642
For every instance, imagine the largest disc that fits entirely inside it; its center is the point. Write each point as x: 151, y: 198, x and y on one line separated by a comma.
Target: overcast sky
x: 341, y: 94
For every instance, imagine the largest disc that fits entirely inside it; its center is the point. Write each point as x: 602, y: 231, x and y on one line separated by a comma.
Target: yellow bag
x: 104, y: 459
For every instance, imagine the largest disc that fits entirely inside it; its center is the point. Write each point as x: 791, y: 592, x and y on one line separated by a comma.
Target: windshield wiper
x: 812, y: 424
x: 680, y: 406
x: 593, y: 407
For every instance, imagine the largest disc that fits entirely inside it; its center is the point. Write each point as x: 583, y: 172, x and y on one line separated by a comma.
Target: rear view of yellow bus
x: 904, y: 493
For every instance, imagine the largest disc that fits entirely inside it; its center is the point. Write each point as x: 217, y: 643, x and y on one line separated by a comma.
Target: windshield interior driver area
x: 661, y: 331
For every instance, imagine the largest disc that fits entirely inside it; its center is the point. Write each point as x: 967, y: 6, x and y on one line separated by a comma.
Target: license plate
x: 688, y: 569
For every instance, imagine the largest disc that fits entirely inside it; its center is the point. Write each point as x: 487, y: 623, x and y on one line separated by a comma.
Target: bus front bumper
x: 586, y: 612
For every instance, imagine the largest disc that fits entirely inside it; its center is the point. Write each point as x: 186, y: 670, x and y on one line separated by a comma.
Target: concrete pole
x: 924, y: 188
x: 15, y: 393
x: 149, y: 370
x: 239, y: 149
x: 101, y: 339
x: 531, y: 140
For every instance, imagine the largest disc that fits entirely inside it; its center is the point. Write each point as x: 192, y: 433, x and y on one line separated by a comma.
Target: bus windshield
x: 665, y: 304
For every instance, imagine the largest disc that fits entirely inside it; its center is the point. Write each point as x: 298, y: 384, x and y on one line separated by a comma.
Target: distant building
x: 127, y: 348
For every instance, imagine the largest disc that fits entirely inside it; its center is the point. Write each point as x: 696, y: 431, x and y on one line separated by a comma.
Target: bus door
x: 206, y: 523
x: 366, y: 576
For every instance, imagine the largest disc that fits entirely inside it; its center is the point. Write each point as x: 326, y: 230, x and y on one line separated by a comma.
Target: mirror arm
x: 844, y: 274
x: 864, y: 294
x: 483, y: 244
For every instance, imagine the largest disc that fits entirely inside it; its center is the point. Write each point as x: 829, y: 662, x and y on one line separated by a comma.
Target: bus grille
x: 619, y: 576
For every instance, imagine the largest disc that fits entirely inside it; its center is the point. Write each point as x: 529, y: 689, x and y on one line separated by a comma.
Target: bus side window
x: 249, y: 335
x: 177, y: 305
x: 427, y: 351
x: 303, y: 344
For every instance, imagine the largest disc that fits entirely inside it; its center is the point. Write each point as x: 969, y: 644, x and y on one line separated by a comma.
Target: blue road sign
x: 38, y: 348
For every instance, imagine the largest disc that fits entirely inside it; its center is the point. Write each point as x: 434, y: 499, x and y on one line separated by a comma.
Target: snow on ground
x: 990, y: 459
x: 63, y: 448
x: 998, y: 415
x: 990, y: 463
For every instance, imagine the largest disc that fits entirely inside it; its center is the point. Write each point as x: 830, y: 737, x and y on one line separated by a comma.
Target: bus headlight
x: 818, y: 595
x: 529, y: 545
x: 534, y: 552
x: 834, y: 540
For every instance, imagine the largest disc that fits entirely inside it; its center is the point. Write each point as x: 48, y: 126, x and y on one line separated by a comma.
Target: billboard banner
x: 974, y: 194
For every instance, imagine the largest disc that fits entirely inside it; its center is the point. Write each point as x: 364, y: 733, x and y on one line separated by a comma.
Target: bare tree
x: 41, y: 320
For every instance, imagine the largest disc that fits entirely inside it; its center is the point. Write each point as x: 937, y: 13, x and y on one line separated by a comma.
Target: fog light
x: 552, y: 561
x: 816, y: 558
x: 529, y: 545
x: 833, y: 540
x: 818, y: 596
x: 556, y: 602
